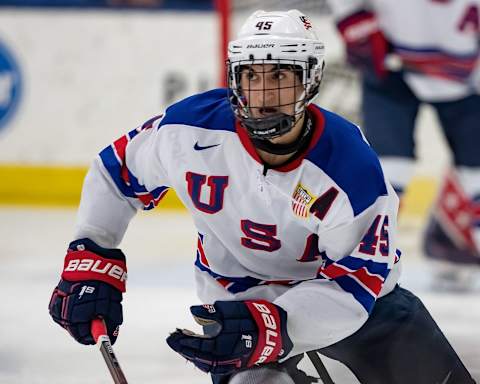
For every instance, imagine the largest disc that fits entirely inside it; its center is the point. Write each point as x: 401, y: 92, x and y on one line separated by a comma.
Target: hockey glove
x: 365, y: 43
x: 91, y: 286
x: 238, y: 334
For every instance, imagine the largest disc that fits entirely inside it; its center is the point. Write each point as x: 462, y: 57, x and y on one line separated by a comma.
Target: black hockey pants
x: 400, y: 344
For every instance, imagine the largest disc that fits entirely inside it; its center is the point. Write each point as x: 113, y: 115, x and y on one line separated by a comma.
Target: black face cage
x: 276, y: 123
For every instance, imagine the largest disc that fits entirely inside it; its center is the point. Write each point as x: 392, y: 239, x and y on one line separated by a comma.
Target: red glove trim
x: 269, y: 343
x: 86, y: 265
x: 359, y: 26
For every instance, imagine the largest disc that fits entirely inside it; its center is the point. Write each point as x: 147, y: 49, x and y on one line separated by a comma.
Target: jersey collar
x: 318, y: 127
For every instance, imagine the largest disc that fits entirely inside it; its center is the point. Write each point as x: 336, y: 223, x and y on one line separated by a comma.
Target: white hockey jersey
x: 438, y: 42
x: 315, y: 236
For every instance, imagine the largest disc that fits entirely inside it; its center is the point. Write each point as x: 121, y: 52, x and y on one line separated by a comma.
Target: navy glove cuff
x: 89, y: 245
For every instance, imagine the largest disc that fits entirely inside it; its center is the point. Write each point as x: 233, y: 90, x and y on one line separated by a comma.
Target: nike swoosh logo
x: 201, y: 148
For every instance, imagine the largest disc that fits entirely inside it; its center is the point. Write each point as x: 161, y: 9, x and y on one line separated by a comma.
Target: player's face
x: 269, y: 89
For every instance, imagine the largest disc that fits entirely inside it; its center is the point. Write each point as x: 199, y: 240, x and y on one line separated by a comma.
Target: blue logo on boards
x: 10, y: 85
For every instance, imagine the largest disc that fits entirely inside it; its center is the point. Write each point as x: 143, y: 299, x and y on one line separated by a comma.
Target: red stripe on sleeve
x: 372, y: 282
x: 333, y: 271
x: 203, y: 258
x: 120, y: 146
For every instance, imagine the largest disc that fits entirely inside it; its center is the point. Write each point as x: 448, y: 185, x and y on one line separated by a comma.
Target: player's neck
x: 272, y: 159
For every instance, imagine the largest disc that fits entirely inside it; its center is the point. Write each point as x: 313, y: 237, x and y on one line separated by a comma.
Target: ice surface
x: 160, y: 249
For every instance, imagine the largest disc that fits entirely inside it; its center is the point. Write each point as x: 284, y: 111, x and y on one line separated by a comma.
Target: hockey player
x: 436, y: 44
x: 296, y: 227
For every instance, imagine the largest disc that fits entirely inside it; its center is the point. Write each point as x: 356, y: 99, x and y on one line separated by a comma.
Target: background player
x: 297, y: 226
x: 437, y: 45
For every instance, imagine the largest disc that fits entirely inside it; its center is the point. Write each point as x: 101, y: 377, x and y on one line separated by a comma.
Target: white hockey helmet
x: 284, y: 39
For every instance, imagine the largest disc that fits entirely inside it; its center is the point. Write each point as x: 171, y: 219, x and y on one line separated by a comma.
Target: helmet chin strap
x: 285, y: 149
x: 269, y: 127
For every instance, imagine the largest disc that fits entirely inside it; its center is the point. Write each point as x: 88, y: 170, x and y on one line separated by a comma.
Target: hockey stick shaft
x: 100, y: 335
x: 320, y: 367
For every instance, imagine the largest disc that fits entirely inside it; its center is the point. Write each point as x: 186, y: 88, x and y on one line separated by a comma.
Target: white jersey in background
x: 316, y: 236
x: 439, y: 39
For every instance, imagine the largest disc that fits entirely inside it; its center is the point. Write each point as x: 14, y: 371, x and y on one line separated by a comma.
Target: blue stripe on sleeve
x: 158, y: 191
x: 373, y: 267
x: 133, y: 133
x: 114, y: 169
x: 135, y: 189
x: 136, y: 186
x: 349, y: 285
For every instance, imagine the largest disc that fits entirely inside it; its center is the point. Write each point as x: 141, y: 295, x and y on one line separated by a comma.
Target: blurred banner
x: 73, y: 80
x: 87, y: 77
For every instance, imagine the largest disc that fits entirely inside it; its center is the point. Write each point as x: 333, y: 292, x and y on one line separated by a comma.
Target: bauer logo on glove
x: 91, y: 287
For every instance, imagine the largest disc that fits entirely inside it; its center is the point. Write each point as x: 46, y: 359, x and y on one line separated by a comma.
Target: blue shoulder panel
x: 210, y: 110
x: 342, y: 154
